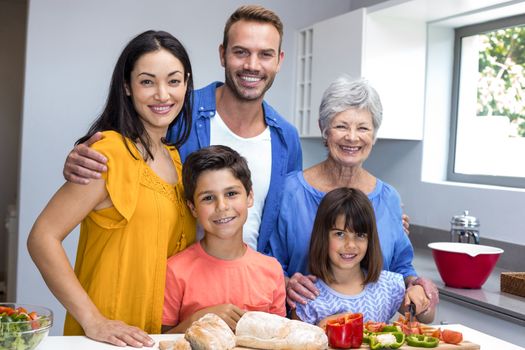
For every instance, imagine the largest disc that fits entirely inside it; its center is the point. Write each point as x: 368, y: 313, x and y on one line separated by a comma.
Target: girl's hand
x: 430, y: 288
x: 416, y: 295
x: 425, y: 310
x: 299, y: 287
x: 117, y: 333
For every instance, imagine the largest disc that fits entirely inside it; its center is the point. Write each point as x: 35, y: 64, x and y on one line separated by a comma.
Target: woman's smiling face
x: 350, y: 137
x: 157, y: 88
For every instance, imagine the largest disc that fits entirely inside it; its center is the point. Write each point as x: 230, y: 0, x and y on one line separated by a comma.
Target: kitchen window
x: 487, y: 143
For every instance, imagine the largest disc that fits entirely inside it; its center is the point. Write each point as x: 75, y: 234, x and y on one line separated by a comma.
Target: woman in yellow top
x: 134, y: 217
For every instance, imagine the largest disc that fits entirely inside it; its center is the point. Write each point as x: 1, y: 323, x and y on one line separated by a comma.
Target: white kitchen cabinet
x: 328, y: 56
x: 387, y: 50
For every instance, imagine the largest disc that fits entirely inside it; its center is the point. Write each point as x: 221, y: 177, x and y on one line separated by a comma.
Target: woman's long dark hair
x: 119, y: 113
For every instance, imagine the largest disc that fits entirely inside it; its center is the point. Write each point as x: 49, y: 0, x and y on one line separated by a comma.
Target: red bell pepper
x: 346, y: 331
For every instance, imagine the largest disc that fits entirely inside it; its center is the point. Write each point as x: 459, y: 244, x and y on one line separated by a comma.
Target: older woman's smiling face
x: 350, y: 137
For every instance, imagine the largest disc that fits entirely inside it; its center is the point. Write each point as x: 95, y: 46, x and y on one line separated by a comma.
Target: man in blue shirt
x: 234, y: 114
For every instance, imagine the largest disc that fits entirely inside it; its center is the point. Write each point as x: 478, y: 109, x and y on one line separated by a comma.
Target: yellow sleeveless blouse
x: 123, y: 250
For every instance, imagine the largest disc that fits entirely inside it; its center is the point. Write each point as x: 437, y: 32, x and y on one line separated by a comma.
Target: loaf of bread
x: 262, y: 330
x: 179, y: 344
x: 210, y: 332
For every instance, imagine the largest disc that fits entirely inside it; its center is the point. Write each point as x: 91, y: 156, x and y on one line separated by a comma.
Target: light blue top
x: 290, y: 240
x: 377, y: 302
x: 286, y: 151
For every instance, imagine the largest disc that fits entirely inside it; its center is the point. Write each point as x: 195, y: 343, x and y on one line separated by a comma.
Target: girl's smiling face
x: 346, y: 248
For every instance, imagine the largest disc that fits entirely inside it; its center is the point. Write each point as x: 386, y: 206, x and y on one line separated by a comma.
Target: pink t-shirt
x: 196, y: 280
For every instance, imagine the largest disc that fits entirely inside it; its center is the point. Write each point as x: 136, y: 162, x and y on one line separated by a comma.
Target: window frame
x: 459, y: 33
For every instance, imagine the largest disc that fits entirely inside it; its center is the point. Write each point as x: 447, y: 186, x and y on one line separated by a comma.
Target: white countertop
x: 486, y: 342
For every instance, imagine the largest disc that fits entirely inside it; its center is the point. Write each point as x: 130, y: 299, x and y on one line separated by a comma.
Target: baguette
x: 262, y: 330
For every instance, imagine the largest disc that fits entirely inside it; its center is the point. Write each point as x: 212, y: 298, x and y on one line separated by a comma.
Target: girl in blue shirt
x: 345, y: 255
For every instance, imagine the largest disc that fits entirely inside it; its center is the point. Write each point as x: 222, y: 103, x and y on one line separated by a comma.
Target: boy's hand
x: 83, y: 163
x: 231, y: 314
x: 299, y: 287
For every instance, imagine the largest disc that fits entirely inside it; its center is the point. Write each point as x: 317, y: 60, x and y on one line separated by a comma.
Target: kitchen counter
x: 489, y: 299
x: 83, y: 343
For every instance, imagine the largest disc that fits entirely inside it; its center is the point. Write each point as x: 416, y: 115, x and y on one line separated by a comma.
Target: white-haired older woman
x: 350, y: 116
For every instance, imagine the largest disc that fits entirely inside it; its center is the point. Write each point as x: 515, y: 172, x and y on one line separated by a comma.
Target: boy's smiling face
x: 221, y: 204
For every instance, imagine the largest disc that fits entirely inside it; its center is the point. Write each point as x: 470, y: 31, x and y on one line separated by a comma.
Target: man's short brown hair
x: 253, y: 13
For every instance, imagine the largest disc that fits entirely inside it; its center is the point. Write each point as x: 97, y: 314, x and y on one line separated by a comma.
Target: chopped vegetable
x: 392, y: 340
x: 374, y: 326
x: 422, y: 341
x: 345, y: 331
x: 451, y: 337
x: 386, y: 339
x: 20, y: 330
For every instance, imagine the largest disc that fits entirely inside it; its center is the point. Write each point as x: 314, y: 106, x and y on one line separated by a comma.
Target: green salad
x: 20, y: 329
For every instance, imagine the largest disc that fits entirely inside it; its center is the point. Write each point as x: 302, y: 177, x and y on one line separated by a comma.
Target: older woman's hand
x: 299, y: 288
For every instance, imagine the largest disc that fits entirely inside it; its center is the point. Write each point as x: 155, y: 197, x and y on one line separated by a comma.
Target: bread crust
x: 179, y: 344
x: 210, y: 332
x: 262, y: 330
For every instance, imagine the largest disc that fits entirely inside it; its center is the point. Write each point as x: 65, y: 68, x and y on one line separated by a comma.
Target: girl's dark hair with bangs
x: 359, y: 216
x: 119, y: 113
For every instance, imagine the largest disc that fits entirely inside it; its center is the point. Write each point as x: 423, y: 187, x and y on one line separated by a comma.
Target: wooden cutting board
x: 465, y: 345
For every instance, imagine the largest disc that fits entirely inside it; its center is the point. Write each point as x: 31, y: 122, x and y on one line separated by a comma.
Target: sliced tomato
x: 451, y: 337
x: 3, y: 309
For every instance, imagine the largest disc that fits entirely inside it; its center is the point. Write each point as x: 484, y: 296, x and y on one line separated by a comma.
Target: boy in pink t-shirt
x: 220, y: 274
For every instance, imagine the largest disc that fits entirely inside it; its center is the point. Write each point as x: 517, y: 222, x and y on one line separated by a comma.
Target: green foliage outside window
x: 501, y: 85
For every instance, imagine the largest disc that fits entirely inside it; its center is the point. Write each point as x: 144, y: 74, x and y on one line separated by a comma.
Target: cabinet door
x: 336, y: 49
x: 386, y: 50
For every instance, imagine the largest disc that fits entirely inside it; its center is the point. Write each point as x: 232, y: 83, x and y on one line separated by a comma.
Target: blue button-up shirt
x: 286, y: 151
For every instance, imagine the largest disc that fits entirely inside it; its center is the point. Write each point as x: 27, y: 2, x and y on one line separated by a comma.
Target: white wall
x: 12, y: 41
x: 71, y: 50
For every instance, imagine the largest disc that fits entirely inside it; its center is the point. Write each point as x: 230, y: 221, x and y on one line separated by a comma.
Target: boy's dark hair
x: 216, y: 157
x: 359, y: 216
x: 253, y: 13
x: 119, y: 113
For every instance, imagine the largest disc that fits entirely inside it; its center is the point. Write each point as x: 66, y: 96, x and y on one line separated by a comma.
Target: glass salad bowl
x: 22, y: 326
